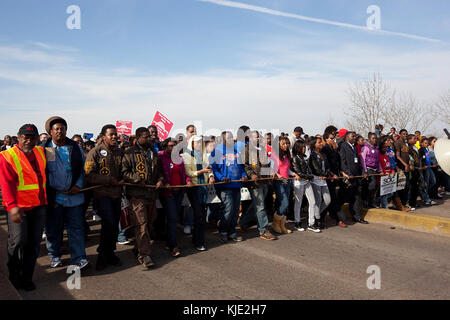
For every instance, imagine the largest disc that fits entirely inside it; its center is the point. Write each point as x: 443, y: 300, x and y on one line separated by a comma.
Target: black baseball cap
x: 29, y: 130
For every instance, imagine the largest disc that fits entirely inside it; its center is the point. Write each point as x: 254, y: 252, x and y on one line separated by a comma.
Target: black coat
x: 301, y: 167
x: 334, y: 159
x: 315, y: 164
x: 348, y: 156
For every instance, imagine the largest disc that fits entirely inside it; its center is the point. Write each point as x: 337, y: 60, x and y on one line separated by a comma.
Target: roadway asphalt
x: 302, y: 265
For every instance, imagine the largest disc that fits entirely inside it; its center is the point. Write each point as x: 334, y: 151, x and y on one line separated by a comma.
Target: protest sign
x: 401, y: 181
x: 124, y: 127
x: 163, y: 124
x: 388, y: 184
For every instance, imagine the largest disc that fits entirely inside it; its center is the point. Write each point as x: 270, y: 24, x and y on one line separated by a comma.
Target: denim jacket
x: 59, y: 174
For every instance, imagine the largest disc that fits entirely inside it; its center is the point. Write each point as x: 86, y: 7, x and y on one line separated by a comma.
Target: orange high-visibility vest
x: 28, y: 185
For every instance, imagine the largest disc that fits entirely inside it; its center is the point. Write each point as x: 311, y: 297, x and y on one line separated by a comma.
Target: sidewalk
x: 431, y: 219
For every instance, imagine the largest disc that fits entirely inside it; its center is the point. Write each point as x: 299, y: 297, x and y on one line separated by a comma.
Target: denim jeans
x: 430, y: 181
x: 257, y: 209
x: 172, y: 206
x: 231, y: 199
x: 24, y: 244
x: 385, y: 199
x: 122, y: 235
x: 109, y: 211
x: 72, y: 217
x: 283, y: 192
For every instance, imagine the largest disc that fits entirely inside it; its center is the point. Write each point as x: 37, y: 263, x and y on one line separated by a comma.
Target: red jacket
x: 385, y: 163
x: 9, y: 181
x: 166, y: 160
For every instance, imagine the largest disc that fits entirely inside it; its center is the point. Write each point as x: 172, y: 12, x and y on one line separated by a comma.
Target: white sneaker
x: 83, y: 263
x: 412, y: 209
x: 314, y: 229
x: 299, y: 227
x: 187, y: 230
x: 432, y: 203
x: 96, y: 218
x: 447, y: 193
x: 55, y: 263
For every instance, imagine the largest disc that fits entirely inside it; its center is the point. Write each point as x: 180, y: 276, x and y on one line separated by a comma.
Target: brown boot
x: 267, y: 235
x: 283, y: 225
x: 276, y: 224
x: 398, y: 205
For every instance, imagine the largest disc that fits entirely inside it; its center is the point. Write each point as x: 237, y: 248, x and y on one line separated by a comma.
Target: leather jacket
x: 316, y: 165
x: 300, y: 166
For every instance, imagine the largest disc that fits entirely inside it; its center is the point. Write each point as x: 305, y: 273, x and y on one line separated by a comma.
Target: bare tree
x: 373, y: 102
x: 369, y: 100
x: 441, y: 109
x: 407, y: 113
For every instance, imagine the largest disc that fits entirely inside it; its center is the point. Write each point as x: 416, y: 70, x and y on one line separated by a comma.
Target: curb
x: 411, y: 221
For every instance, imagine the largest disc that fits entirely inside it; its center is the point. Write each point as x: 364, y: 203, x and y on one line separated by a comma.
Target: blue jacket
x: 227, y: 166
x: 64, y: 170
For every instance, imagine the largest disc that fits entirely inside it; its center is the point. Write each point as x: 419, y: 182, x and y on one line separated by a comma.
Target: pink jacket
x: 166, y: 160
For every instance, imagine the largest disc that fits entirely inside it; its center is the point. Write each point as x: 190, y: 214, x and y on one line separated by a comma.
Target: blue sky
x: 202, y: 61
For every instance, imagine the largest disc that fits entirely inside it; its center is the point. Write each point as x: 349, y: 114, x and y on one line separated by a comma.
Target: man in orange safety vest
x: 22, y: 180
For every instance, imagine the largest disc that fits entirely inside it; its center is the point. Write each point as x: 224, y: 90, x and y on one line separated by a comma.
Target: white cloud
x: 289, y: 87
x: 51, y: 47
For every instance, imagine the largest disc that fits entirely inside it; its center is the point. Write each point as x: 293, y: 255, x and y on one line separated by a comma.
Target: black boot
x: 14, y: 270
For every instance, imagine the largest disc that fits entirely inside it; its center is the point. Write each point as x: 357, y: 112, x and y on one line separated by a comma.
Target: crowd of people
x: 48, y: 181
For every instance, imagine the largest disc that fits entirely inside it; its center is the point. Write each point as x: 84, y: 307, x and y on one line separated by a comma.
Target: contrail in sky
x: 245, y: 6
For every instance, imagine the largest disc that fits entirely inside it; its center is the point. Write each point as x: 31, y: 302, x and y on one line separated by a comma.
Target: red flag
x: 163, y: 124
